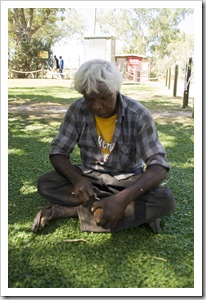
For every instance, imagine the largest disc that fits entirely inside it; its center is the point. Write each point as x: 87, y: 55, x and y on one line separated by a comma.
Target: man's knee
x: 168, y: 200
x: 41, y: 185
x: 57, y: 189
x: 47, y: 182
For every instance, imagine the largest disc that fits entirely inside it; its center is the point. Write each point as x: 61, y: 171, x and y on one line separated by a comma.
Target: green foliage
x: 24, y: 23
x: 26, y: 57
x: 37, y: 29
x: 150, y: 31
x: 133, y: 258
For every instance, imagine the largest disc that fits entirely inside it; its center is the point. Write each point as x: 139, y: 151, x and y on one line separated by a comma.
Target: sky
x: 187, y: 25
x: 73, y: 54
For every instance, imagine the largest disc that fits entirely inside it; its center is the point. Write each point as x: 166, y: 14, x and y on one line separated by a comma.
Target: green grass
x: 133, y: 258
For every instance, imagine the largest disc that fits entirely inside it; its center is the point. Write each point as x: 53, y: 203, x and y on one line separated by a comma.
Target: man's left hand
x: 111, y: 211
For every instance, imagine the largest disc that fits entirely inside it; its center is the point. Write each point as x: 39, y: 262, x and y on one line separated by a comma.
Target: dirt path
x: 40, y: 108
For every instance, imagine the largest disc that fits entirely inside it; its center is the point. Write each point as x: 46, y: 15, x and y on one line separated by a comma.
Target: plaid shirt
x: 135, y: 142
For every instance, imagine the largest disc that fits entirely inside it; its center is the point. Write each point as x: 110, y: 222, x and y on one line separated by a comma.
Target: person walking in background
x: 55, y: 67
x: 61, y: 66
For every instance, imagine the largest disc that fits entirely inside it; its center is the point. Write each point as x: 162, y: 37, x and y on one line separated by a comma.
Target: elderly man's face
x: 104, y: 105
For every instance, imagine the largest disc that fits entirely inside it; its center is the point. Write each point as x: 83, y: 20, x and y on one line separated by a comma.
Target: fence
x: 172, y: 75
x: 42, y: 73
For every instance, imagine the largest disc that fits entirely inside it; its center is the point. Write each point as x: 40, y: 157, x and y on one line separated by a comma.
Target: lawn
x: 133, y: 258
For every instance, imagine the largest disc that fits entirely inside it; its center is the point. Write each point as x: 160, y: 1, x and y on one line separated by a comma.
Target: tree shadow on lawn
x: 162, y: 105
x: 34, y: 266
x: 132, y: 258
x: 35, y: 95
x: 162, y: 102
x: 29, y: 146
x: 24, y: 98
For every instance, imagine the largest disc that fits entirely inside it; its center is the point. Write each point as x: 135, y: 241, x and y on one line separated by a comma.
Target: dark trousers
x: 157, y: 203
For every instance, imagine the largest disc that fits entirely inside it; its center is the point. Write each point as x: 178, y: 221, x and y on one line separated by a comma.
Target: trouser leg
x: 57, y: 189
x: 157, y: 203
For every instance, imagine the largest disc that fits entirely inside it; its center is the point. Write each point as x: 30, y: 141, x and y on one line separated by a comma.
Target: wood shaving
x: 159, y: 258
x: 75, y: 240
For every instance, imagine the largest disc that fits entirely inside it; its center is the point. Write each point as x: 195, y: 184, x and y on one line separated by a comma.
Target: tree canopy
x: 34, y: 29
x: 152, y: 32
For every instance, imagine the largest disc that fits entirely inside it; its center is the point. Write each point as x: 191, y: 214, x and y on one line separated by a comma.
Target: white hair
x: 96, y: 76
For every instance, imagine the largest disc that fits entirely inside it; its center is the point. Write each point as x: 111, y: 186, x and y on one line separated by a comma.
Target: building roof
x: 130, y: 54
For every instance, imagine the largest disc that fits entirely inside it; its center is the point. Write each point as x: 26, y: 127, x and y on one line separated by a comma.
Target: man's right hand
x: 84, y: 190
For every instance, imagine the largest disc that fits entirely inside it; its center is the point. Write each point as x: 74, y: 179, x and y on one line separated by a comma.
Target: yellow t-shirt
x: 105, y: 131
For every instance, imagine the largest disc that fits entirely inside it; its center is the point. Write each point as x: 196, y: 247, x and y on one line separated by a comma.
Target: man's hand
x: 108, y: 211
x: 84, y: 190
x: 113, y: 207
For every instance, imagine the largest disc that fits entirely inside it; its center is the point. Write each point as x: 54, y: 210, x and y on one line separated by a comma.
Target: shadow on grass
x: 122, y: 260
x: 161, y: 105
x: 34, y: 95
x: 131, y: 258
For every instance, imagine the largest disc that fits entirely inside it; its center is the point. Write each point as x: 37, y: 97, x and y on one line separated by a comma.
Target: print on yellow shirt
x: 105, y: 131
